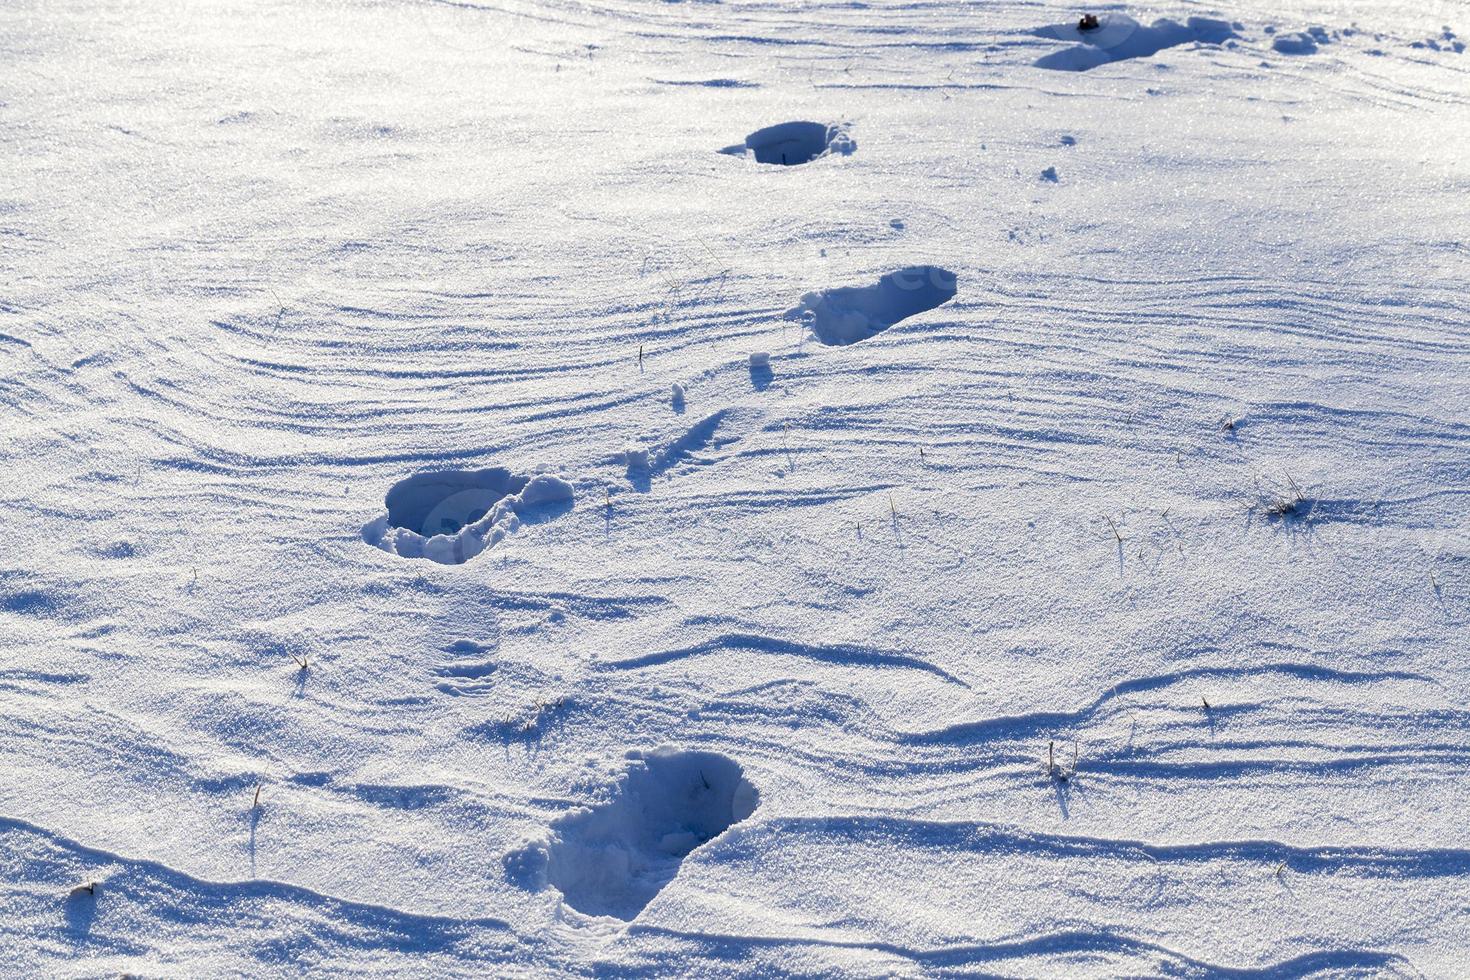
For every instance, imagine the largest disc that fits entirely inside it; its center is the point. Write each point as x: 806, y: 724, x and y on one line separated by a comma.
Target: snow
x: 371, y: 603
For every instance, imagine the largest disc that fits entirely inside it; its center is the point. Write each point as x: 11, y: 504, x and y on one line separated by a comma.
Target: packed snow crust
x: 1107, y: 617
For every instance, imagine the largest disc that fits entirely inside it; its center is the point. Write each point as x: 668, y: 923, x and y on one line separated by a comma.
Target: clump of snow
x: 450, y: 516
x: 676, y: 394
x: 760, y: 359
x: 612, y: 859
x: 1446, y: 40
x: 847, y: 314
x: 1301, y: 42
x: 1119, y: 37
x: 792, y: 143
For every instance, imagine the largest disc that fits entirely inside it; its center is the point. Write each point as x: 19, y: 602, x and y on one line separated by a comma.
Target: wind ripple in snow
x: 855, y: 656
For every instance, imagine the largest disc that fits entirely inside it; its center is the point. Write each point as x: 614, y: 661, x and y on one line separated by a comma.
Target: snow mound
x: 791, y: 143
x: 1119, y: 37
x: 613, y: 859
x: 450, y: 516
x: 847, y: 314
x: 1301, y: 42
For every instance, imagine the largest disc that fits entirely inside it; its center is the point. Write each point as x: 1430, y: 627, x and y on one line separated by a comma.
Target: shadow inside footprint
x: 444, y: 502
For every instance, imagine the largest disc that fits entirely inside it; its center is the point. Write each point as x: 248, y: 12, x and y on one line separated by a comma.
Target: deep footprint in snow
x: 792, y: 143
x: 450, y: 516
x: 1118, y: 37
x: 847, y: 314
x: 613, y: 859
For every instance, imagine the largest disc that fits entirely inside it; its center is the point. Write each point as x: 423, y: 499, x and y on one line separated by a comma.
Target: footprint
x: 466, y: 673
x: 450, y: 516
x: 1445, y: 41
x: 701, y: 444
x: 1118, y: 37
x: 847, y: 314
x: 791, y: 143
x: 613, y: 859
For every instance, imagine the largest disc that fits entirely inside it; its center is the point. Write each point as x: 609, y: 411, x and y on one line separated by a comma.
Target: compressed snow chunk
x: 760, y: 359
x: 527, y: 866
x: 1299, y: 42
x: 636, y: 458
x: 545, y: 489
x: 676, y: 393
x: 841, y: 142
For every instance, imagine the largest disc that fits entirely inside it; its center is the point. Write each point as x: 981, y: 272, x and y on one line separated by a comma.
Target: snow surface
x: 1108, y: 618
